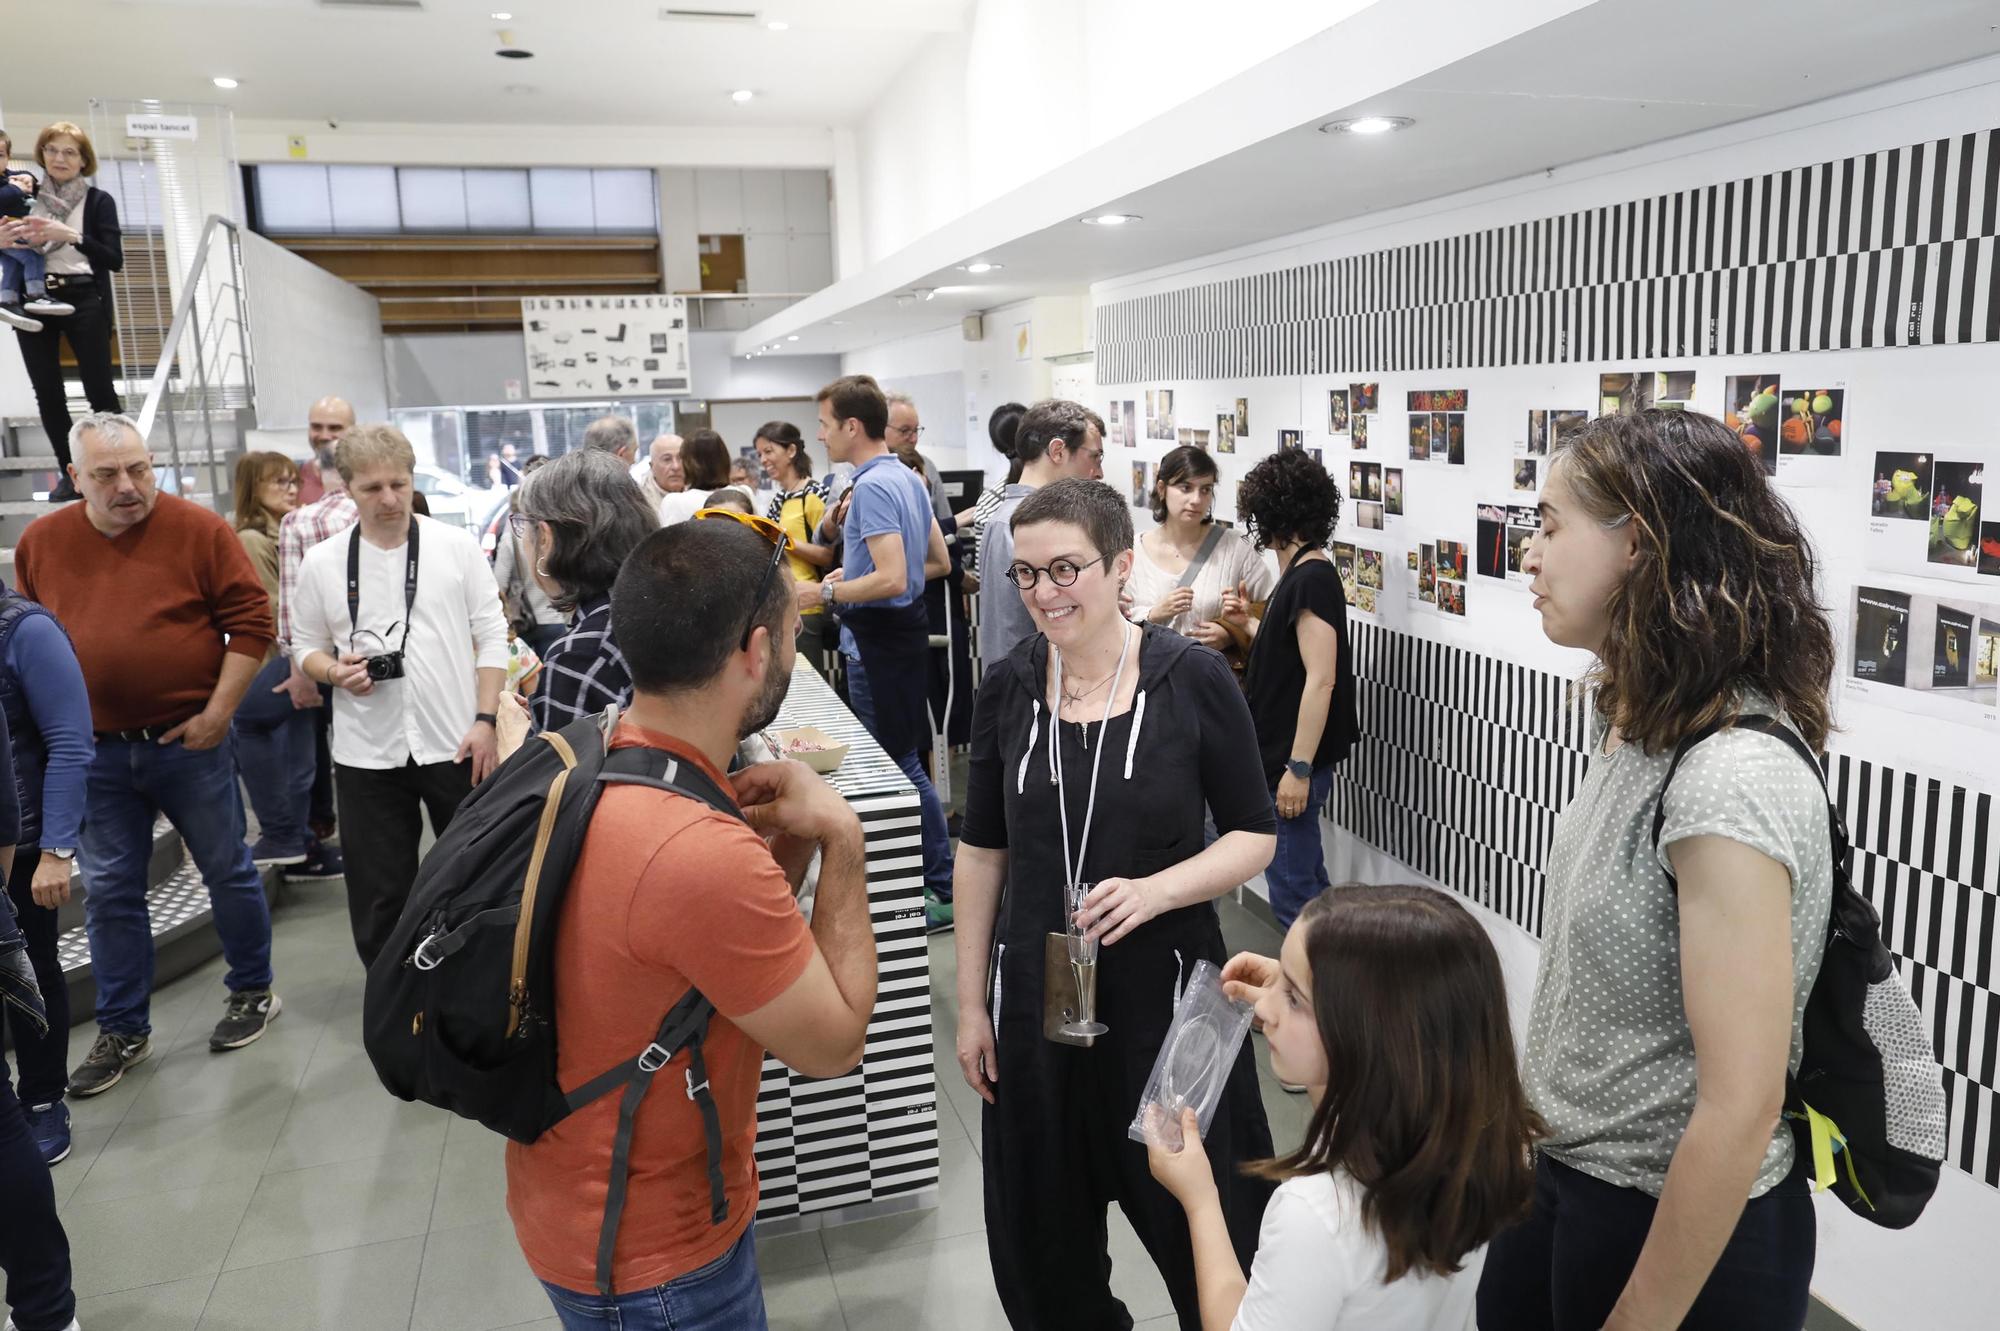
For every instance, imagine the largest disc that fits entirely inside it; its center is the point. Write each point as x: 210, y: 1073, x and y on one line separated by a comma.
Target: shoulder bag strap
x: 1208, y: 544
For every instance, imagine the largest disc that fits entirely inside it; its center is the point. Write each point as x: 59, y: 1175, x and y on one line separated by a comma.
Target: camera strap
x: 409, y: 582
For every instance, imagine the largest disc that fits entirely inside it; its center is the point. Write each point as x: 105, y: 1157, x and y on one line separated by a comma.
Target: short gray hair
x: 900, y: 399
x: 596, y: 514
x: 611, y: 434
x: 101, y: 422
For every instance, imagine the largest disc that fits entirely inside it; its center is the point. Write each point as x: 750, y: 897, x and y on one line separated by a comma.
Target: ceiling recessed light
x: 741, y: 95
x: 221, y: 82
x: 501, y: 16
x: 778, y: 25
x: 1111, y: 219
x: 982, y: 266
x: 1367, y: 125
x: 792, y: 337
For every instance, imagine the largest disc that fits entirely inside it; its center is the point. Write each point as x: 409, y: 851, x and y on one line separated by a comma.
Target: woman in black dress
x: 1095, y: 746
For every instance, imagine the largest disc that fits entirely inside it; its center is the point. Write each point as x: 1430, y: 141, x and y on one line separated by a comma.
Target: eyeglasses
x: 522, y: 525
x: 913, y: 431
x: 53, y: 151
x: 773, y: 533
x: 1063, y: 572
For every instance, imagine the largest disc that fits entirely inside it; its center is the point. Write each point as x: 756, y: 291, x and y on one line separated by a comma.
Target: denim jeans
x: 937, y: 832
x: 129, y: 785
x: 274, y: 752
x: 34, y: 1251
x: 43, y: 1056
x: 21, y: 270
x: 725, y: 1295
x: 1298, y: 868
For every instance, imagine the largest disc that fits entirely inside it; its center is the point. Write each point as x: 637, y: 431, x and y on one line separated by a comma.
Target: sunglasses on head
x: 771, y: 532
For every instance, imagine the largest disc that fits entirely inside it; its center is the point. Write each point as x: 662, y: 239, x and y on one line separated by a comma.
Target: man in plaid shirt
x: 302, y: 529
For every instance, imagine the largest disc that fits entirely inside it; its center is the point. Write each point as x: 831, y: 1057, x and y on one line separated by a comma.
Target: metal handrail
x: 188, y: 318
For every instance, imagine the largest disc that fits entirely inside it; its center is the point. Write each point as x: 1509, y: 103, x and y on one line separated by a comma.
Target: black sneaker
x: 248, y: 1013
x: 106, y: 1062
x: 321, y: 863
x: 65, y: 492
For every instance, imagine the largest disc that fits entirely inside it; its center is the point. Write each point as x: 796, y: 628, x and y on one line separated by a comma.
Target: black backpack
x: 459, y: 1008
x: 1868, y: 1088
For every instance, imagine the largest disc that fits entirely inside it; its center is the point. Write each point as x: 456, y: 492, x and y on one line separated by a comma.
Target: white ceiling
x: 597, y: 62
x: 1612, y: 76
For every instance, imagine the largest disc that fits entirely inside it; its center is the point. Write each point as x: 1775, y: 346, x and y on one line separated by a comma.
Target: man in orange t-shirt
x: 668, y: 893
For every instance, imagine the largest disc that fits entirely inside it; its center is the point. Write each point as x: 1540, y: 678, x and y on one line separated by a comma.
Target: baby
x: 22, y: 269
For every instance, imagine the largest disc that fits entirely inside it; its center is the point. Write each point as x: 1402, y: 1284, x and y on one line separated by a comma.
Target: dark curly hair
x: 1723, y: 591
x: 1288, y: 498
x: 1186, y: 463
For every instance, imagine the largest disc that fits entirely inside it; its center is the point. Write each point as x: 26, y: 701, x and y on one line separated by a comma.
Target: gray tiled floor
x: 281, y: 1187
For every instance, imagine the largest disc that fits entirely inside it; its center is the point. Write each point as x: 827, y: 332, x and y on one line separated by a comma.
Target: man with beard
x: 329, y: 419
x: 669, y: 894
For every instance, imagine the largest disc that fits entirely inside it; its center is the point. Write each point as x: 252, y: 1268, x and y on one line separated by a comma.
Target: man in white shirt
x: 660, y: 474
x: 402, y: 617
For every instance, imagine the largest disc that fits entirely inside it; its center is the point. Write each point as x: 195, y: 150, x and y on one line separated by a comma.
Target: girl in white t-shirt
x: 1387, y: 1004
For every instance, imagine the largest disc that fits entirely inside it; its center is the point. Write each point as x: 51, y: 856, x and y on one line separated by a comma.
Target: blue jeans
x: 1298, y: 868
x: 275, y: 752
x: 19, y: 270
x: 34, y: 1251
x: 129, y: 785
x: 725, y: 1295
x: 937, y: 832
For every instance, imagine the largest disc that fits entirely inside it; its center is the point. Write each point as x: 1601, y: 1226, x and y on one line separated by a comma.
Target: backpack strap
x: 1763, y: 725
x: 684, y: 1027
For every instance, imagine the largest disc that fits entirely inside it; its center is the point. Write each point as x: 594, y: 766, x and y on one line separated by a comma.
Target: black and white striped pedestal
x: 843, y: 1148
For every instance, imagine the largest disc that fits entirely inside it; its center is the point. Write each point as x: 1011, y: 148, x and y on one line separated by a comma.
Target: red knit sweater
x: 148, y: 609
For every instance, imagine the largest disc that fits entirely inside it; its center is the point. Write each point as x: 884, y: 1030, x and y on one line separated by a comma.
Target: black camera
x: 389, y: 665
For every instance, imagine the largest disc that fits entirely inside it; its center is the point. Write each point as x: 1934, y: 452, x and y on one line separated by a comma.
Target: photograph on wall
x: 627, y: 346
x: 1193, y: 438
x: 1364, y: 481
x: 1881, y: 635
x: 1813, y: 422
x: 1452, y: 435
x: 1420, y: 436
x: 1242, y: 416
x: 1115, y: 423
x: 1673, y: 388
x: 1357, y: 431
x: 1624, y: 393
x: 1225, y: 433
x: 1316, y: 456
x: 1368, y: 567
x: 1750, y: 407
x: 1538, y: 433
x: 1336, y: 411
x: 1160, y: 413
x: 1343, y: 564
x: 1989, y: 549
x: 1124, y: 425
x: 1438, y: 399
x: 1563, y: 423
x: 1523, y: 522
x: 1291, y: 439
x: 1364, y: 599
x: 1142, y: 496
x: 1902, y: 486
x: 1489, y: 542
x: 1957, y: 491
x: 1368, y: 516
x: 1364, y: 398
x: 1952, y: 648
x: 1392, y: 491
x: 1451, y: 561
x: 1451, y: 598
x: 1526, y: 472
x: 1427, y: 573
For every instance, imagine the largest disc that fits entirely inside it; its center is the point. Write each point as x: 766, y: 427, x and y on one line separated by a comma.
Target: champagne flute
x: 1082, y: 962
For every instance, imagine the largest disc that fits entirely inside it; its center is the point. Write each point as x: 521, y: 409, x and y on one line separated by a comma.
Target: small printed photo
x: 1336, y: 411
x: 1420, y: 436
x: 1317, y: 456
x: 1358, y: 430
x: 1624, y: 394
x: 1225, y: 433
x: 1364, y: 599
x: 1124, y: 425
x: 1364, y: 398
x: 1451, y: 598
x: 1563, y: 423
x: 1427, y: 573
x: 1454, y: 431
x: 1673, y: 388
x: 1750, y: 407
x: 1392, y: 491
x: 1242, y: 417
x: 1368, y: 516
x: 1989, y: 548
x: 1812, y: 425
x: 1881, y: 635
x: 1517, y: 547
x: 1525, y: 475
x: 1291, y: 439
x: 1160, y: 413
x: 1902, y: 487
x: 1953, y: 646
x: 1364, y: 481
x: 1452, y: 558
x: 1956, y: 496
x: 1142, y: 496
x: 1343, y: 564
x: 1413, y: 561
x: 1489, y: 546
x: 1438, y: 399
x: 1368, y: 571
x: 1538, y: 433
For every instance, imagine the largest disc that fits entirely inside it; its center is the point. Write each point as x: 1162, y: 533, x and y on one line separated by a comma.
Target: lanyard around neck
x: 409, y: 583
x: 1072, y: 867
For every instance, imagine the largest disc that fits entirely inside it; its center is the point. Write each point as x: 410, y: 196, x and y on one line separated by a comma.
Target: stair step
x: 190, y: 457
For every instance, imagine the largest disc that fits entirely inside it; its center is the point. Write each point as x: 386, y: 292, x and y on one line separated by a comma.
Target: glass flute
x: 1083, y: 963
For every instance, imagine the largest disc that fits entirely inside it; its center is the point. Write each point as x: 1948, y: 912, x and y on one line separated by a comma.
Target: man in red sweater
x: 170, y: 624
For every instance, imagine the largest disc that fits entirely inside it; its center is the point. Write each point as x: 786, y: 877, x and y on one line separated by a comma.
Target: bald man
x: 330, y: 418
x: 660, y: 474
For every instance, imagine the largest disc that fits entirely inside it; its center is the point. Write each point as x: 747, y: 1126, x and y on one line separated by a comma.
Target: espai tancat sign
x: 157, y: 126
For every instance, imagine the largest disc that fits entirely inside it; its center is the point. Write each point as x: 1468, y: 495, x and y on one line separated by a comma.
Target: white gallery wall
x: 1915, y: 399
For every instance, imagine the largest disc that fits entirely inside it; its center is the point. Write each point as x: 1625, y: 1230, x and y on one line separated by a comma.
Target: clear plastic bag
x: 1195, y: 1059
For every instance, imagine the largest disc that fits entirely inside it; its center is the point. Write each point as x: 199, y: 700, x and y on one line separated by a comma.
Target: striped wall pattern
x: 823, y: 1144
x: 1895, y: 248
x: 1468, y: 758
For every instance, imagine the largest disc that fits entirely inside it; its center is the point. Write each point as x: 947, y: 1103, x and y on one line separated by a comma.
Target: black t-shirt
x: 1276, y: 675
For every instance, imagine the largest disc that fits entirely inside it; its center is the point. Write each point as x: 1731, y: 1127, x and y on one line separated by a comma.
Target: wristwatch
x: 1299, y: 767
x: 826, y: 593
x: 61, y: 853
x: 488, y: 717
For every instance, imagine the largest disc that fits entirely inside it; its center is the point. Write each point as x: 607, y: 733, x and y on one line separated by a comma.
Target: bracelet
x: 488, y: 717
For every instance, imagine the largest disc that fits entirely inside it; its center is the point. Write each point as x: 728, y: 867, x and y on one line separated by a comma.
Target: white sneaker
x: 74, y: 1325
x: 43, y: 305
x: 13, y: 317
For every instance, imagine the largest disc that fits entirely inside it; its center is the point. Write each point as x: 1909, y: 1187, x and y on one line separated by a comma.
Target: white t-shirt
x: 1232, y: 561
x: 1319, y: 1268
x: 458, y: 627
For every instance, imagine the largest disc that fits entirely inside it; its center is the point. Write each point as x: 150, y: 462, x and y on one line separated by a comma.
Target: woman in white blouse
x: 1183, y: 506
